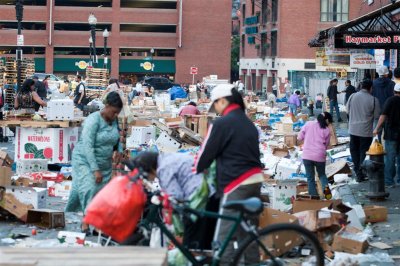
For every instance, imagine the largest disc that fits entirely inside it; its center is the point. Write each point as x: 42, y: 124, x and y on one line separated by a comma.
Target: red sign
x: 194, y: 71
x: 61, y: 146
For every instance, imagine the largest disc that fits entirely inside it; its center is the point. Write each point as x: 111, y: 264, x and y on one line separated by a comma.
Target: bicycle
x: 296, y: 239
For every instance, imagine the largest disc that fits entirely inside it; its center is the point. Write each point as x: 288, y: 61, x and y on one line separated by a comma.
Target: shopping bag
x: 117, y: 208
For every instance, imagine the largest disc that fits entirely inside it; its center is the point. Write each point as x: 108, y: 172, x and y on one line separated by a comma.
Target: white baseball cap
x: 397, y: 87
x: 220, y: 91
x: 383, y: 70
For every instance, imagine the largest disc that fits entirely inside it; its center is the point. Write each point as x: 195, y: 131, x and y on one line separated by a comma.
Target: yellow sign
x: 146, y: 66
x: 82, y: 64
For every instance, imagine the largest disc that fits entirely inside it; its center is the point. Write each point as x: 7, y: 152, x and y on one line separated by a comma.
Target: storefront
x: 133, y: 70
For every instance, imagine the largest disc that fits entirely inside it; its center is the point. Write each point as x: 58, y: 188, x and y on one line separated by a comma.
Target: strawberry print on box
x: 54, y: 144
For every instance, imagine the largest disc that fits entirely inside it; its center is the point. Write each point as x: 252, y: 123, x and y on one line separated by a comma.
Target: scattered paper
x: 380, y: 245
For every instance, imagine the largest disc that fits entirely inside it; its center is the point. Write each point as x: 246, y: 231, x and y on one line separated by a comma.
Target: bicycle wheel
x: 279, y: 245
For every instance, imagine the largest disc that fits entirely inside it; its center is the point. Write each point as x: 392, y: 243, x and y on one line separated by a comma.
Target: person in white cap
x: 232, y: 141
x: 391, y: 123
x: 383, y: 87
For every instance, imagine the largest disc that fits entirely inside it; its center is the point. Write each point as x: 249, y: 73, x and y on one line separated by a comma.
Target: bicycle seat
x: 249, y: 206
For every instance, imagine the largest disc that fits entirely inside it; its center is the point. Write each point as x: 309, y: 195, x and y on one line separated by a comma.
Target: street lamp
x: 90, y: 51
x: 19, y: 11
x: 92, y: 22
x: 106, y: 34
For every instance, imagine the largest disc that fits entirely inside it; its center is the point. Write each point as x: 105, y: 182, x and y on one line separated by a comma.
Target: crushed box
x: 281, y: 193
x: 11, y: 204
x: 375, y: 214
x: 29, y: 195
x: 5, y: 176
x: 350, y: 240
x: 5, y: 159
x: 44, y: 218
x: 301, y: 204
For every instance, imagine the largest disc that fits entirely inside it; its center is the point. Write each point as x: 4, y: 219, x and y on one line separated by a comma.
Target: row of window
x: 268, y: 46
x: 6, y: 25
x: 161, y: 4
x: 269, y: 10
x: 138, y: 52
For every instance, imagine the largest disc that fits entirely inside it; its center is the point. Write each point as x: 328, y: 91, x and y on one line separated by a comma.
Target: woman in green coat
x: 92, y: 157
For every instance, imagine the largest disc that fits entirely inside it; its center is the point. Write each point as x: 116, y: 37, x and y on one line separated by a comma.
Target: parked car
x: 54, y: 81
x: 159, y: 83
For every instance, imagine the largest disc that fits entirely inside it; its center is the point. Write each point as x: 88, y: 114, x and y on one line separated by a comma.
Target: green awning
x: 40, y: 65
x: 71, y: 64
x: 144, y: 66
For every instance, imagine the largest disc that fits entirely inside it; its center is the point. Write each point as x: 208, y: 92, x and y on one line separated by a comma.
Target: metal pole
x: 93, y: 31
x: 19, y: 8
x: 90, y: 55
x: 105, y: 52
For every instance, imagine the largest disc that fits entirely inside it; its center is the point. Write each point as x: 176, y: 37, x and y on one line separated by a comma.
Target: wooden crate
x: 198, y: 123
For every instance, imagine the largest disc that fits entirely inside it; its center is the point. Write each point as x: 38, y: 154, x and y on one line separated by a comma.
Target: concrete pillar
x: 49, y: 59
x: 49, y: 52
x: 113, y: 44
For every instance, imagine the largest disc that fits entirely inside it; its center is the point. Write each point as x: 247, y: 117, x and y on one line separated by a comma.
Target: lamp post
x: 90, y: 51
x: 106, y: 34
x: 92, y: 22
x: 19, y: 11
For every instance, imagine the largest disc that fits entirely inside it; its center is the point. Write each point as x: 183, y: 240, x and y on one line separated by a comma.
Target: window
x: 94, y: 3
x: 9, y: 25
x: 244, y: 12
x: 264, y: 45
x: 243, y: 43
x: 147, y: 28
x: 252, y: 7
x: 274, y: 43
x: 274, y: 16
x: 335, y: 10
x: 264, y: 11
x: 80, y: 27
x: 148, y: 4
x: 26, y: 2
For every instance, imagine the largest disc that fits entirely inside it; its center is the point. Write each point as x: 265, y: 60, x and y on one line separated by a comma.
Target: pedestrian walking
x: 294, y: 102
x: 363, y: 109
x: 92, y: 157
x: 383, y: 87
x: 275, y: 90
x: 350, y: 89
x: 80, y: 99
x: 390, y: 120
x: 332, y: 94
x: 316, y: 136
x: 233, y: 142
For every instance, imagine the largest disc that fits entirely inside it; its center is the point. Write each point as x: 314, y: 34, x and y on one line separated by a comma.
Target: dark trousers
x: 358, y: 148
x: 310, y: 167
x: 252, y: 255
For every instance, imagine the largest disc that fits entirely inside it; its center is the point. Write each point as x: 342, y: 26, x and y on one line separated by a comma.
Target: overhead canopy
x: 378, y: 29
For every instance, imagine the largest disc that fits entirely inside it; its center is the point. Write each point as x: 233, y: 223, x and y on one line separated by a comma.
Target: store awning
x: 378, y: 29
x: 147, y: 66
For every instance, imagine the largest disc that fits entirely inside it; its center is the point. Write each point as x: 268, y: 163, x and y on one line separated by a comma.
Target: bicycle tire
x: 269, y: 230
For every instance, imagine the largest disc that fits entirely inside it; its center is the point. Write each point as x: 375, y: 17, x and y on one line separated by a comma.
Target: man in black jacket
x: 333, y: 101
x: 350, y: 89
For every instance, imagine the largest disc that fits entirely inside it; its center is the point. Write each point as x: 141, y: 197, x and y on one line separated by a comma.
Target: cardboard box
x: 280, y: 243
x: 5, y: 159
x: 344, y: 241
x: 321, y: 219
x: 300, y: 205
x: 27, y: 182
x: 5, y: 176
x: 280, y: 152
x: 286, y: 168
x: 54, y: 144
x: 290, y: 140
x: 375, y: 214
x: 29, y: 195
x: 281, y: 193
x: 141, y: 135
x: 59, y: 189
x: 44, y: 218
x: 338, y: 167
x: 301, y: 188
x: 31, y: 165
x: 11, y: 204
x: 166, y: 143
x: 173, y: 122
x: 60, y: 109
x: 333, y: 140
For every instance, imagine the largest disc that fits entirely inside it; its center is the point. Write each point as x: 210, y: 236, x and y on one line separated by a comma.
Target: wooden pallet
x: 115, y: 256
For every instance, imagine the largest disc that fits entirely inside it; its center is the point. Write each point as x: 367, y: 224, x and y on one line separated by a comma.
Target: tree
x: 235, y: 53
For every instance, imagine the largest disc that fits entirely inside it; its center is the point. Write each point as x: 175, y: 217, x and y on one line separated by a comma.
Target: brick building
x: 275, y: 36
x: 182, y: 33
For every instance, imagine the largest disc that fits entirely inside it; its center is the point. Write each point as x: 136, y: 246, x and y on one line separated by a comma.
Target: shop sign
x: 332, y: 57
x: 147, y: 66
x: 251, y: 20
x: 81, y: 64
x: 379, y: 57
x: 365, y: 60
x: 367, y: 40
x: 251, y: 30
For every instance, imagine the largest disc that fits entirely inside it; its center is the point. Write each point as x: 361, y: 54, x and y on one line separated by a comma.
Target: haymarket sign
x: 367, y: 40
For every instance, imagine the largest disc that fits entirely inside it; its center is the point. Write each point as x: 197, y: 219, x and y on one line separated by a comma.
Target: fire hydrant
x: 375, y: 171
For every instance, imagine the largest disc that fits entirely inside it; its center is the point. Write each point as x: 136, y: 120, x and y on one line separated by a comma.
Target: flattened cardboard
x: 5, y: 159
x: 339, y: 167
x: 5, y: 176
x: 301, y: 204
x: 320, y: 219
x: 290, y: 140
x: 375, y: 214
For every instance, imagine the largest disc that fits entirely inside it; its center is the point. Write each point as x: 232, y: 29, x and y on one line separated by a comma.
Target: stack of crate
x: 97, y: 77
x: 2, y: 68
x: 10, y: 76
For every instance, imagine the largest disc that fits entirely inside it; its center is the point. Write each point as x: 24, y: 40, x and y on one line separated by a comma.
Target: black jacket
x: 332, y: 93
x: 233, y: 141
x: 383, y: 89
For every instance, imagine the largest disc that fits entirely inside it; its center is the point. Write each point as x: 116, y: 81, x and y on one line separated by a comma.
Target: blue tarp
x: 177, y: 92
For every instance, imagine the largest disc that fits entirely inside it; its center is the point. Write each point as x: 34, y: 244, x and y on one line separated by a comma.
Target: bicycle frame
x: 153, y: 217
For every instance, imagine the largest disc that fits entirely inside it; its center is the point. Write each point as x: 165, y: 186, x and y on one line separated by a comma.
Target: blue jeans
x: 310, y: 173
x: 392, y: 158
x: 293, y: 108
x: 334, y: 104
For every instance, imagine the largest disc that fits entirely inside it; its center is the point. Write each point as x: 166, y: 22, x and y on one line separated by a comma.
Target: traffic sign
x: 194, y: 70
